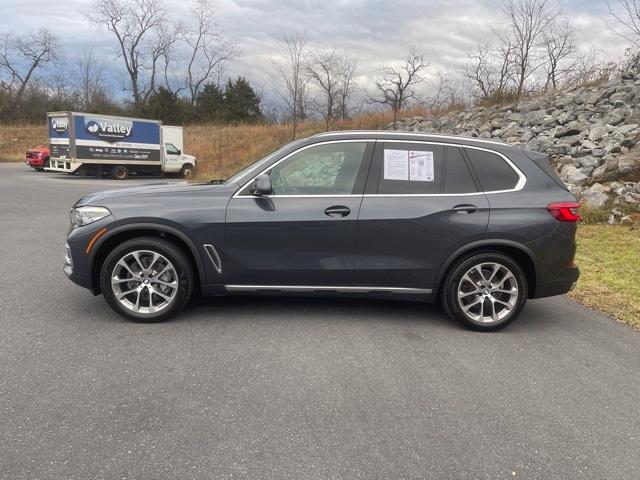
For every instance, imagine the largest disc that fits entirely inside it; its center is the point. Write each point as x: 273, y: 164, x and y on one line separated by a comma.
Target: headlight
x: 81, y: 216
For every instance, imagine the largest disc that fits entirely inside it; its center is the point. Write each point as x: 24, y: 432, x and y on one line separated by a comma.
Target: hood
x: 161, y: 190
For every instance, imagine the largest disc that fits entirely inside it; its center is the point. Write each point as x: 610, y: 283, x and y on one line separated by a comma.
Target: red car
x: 37, y: 157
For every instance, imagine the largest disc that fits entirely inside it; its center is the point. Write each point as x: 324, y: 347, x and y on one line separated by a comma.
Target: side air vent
x: 213, y: 256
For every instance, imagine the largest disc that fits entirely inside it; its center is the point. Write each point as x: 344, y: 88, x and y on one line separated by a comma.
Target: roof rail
x: 404, y: 132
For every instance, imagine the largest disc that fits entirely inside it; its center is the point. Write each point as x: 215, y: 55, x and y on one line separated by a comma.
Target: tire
x: 477, y: 304
x: 120, y: 172
x: 146, y: 259
x: 187, y: 171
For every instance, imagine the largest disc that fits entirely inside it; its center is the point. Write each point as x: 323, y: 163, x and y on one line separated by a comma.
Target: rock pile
x: 591, y: 135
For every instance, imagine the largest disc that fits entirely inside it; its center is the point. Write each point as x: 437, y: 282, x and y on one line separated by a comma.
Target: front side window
x: 171, y: 149
x: 329, y: 169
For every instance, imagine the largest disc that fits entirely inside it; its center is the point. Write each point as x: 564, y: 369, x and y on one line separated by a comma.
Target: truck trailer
x: 90, y: 144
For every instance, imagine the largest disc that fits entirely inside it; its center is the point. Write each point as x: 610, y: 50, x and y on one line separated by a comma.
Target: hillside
x: 591, y: 135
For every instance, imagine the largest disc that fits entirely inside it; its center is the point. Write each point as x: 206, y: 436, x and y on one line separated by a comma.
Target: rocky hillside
x: 592, y: 136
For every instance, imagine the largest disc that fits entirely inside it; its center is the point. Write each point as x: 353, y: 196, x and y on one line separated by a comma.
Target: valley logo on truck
x: 59, y: 125
x: 109, y: 130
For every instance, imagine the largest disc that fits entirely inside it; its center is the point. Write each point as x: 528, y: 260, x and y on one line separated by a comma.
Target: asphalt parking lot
x: 274, y: 388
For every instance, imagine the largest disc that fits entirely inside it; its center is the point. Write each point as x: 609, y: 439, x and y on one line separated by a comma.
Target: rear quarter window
x: 493, y: 172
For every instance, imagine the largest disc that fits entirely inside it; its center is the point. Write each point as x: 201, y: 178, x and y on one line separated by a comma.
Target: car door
x: 421, y: 203
x: 305, y: 232
x: 173, y: 158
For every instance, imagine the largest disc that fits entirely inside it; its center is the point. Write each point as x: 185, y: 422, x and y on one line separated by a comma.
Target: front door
x: 421, y: 203
x: 305, y: 232
x: 173, y: 158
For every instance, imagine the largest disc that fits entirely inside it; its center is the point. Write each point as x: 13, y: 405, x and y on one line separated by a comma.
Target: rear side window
x: 411, y: 168
x: 457, y: 177
x: 492, y: 170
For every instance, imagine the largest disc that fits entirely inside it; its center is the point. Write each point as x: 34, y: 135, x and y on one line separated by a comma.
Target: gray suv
x: 480, y: 225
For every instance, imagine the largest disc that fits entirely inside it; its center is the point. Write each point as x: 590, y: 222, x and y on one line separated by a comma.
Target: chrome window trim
x: 338, y: 288
x: 520, y: 184
x: 236, y: 194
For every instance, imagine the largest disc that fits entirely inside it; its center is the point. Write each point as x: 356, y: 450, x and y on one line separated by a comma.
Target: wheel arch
x: 127, y: 232
x: 520, y: 254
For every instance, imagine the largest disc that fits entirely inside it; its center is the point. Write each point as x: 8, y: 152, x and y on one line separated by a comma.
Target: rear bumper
x: 558, y: 285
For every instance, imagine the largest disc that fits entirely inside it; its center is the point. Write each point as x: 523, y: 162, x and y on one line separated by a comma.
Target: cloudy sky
x: 374, y: 32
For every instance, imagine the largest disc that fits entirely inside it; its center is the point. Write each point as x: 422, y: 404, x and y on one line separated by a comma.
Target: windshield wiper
x: 217, y: 181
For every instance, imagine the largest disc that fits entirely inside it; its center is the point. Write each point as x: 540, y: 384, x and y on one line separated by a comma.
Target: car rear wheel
x: 485, y: 291
x: 147, y: 279
x: 120, y: 172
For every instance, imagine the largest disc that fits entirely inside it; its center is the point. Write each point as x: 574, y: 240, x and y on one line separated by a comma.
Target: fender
x: 158, y: 227
x: 487, y: 242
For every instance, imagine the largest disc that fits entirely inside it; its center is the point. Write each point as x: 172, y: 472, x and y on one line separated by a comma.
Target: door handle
x: 337, y: 211
x: 465, y: 208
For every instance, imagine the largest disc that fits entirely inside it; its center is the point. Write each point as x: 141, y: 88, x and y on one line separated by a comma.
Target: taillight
x: 564, y: 211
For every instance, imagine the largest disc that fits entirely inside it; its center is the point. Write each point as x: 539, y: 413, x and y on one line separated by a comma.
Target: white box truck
x: 91, y: 144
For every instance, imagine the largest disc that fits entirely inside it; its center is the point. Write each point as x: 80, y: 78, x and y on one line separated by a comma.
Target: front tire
x: 187, y: 171
x: 147, y: 279
x: 485, y: 291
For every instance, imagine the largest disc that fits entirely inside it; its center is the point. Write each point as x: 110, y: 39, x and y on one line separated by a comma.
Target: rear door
x: 421, y: 203
x: 305, y: 232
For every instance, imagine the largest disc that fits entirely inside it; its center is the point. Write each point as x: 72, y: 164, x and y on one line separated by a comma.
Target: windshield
x: 258, y: 163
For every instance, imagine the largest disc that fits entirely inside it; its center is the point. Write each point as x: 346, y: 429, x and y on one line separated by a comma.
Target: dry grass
x: 607, y: 257
x: 15, y: 139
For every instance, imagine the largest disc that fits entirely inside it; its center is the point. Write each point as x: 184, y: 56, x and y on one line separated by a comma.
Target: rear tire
x: 120, y: 172
x: 485, y: 291
x: 147, y: 279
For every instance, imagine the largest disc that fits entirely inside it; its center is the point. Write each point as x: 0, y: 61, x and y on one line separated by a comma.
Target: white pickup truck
x: 89, y: 144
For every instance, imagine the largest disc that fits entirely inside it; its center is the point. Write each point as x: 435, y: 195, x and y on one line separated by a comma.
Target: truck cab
x: 176, y: 162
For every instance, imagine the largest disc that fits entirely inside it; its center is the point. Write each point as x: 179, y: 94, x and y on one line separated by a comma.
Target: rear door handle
x: 465, y: 208
x: 337, y: 211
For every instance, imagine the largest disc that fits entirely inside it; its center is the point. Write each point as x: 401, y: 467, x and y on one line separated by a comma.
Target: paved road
x: 273, y: 388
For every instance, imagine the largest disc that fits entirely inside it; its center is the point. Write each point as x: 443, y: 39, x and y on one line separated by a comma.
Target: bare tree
x: 490, y: 69
x: 144, y: 37
x: 291, y: 73
x: 528, y: 21
x: 333, y: 75
x: 396, y: 86
x: 22, y: 55
x: 89, y: 78
x: 208, y: 49
x: 624, y: 19
x: 560, y: 49
x: 346, y: 87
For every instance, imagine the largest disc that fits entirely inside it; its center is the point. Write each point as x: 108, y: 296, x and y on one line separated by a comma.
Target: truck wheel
x: 120, y: 172
x: 147, y: 279
x: 187, y: 171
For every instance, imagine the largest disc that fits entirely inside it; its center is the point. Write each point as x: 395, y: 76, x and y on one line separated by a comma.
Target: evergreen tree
x: 242, y: 102
x: 165, y: 106
x: 210, y: 104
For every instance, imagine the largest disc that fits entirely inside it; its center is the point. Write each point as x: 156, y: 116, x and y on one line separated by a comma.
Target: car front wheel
x: 147, y: 279
x: 485, y: 291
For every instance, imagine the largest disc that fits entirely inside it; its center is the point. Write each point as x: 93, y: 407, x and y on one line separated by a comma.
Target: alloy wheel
x: 144, y: 281
x: 487, y: 293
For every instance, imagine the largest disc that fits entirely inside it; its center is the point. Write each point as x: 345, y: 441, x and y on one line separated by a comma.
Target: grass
x: 607, y: 257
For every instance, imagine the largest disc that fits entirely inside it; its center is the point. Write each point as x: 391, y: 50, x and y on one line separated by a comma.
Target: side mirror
x: 262, y: 185
x: 179, y: 152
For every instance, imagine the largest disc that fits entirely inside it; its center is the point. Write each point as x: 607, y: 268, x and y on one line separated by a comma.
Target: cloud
x: 374, y: 32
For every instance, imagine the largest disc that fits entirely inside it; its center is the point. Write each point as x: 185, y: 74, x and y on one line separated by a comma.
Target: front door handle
x: 337, y: 211
x: 465, y: 208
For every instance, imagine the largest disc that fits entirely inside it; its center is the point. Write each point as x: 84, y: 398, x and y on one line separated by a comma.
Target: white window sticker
x: 396, y: 165
x: 420, y: 166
